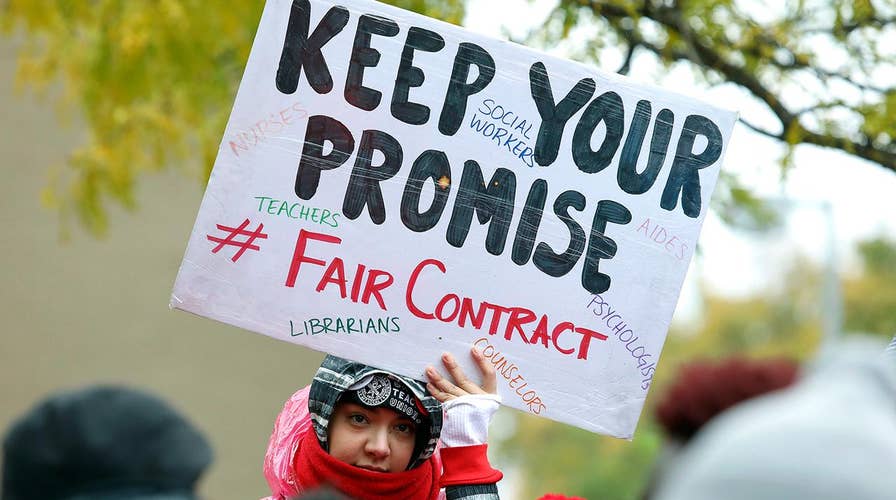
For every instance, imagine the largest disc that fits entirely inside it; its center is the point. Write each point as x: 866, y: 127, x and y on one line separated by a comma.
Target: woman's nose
x: 378, y: 443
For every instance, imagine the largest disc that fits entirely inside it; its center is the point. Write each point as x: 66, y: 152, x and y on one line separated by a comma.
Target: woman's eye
x: 405, y: 428
x: 357, y: 418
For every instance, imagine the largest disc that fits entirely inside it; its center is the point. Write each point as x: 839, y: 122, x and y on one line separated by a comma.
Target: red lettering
x: 298, y: 256
x: 466, y: 311
x: 497, y: 311
x: 440, y: 308
x: 519, y: 316
x: 510, y: 372
x: 516, y: 382
x: 454, y: 308
x: 566, y: 325
x: 335, y: 274
x: 587, y: 335
x: 536, y: 401
x: 372, y: 287
x: 537, y: 409
x: 541, y: 332
x: 356, y: 284
x: 409, y: 301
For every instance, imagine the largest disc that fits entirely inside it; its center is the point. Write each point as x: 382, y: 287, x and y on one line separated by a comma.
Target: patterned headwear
x: 340, y: 378
x: 386, y: 391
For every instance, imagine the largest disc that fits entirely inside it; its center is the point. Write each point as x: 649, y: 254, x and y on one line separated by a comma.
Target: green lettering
x: 284, y: 207
x: 261, y: 200
x: 271, y: 203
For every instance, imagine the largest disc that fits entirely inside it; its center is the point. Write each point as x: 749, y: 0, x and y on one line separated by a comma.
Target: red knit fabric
x: 468, y: 465
x: 314, y: 467
x: 703, y: 389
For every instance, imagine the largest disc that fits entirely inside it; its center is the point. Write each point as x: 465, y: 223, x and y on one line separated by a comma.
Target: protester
x: 832, y: 435
x: 103, y: 443
x: 373, y: 434
x: 702, y: 390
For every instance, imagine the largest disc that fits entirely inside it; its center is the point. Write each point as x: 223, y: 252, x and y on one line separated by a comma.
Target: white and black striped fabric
x: 336, y: 375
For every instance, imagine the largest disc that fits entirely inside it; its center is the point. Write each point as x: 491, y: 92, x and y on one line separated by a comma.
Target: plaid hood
x: 336, y: 375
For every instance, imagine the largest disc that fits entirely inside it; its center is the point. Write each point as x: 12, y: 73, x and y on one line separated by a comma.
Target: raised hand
x: 445, y: 390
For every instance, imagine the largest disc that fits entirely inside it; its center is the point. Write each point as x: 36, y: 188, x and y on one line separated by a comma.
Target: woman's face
x: 377, y: 439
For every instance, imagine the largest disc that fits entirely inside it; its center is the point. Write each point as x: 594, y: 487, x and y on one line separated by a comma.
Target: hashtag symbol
x: 233, y: 232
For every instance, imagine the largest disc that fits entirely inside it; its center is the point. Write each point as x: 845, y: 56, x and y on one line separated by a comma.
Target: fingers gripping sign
x: 467, y: 411
x: 445, y: 390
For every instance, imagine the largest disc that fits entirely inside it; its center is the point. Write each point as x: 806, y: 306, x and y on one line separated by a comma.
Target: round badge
x: 376, y: 392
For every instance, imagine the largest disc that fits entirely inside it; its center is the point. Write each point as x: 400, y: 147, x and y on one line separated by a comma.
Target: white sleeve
x: 466, y: 419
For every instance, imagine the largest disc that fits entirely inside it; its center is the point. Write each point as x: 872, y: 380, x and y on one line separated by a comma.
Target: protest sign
x: 390, y: 187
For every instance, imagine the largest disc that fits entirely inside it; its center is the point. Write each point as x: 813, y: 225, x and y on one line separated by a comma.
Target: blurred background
x: 113, y: 111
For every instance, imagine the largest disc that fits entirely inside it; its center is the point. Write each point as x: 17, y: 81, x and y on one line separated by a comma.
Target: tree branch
x: 704, y: 55
x: 627, y: 63
x: 759, y: 130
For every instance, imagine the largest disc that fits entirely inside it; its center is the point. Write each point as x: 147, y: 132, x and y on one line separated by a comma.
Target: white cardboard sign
x: 390, y: 187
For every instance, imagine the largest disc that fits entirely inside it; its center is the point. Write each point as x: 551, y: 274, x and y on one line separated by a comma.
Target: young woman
x: 373, y: 434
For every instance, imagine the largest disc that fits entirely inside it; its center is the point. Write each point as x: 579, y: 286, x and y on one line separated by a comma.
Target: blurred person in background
x: 701, y: 390
x: 103, y: 443
x: 830, y: 436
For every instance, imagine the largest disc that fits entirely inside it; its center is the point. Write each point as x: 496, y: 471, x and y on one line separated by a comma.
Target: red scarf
x: 314, y: 467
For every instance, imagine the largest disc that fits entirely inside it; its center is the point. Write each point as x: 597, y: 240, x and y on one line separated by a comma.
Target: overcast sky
x: 861, y: 196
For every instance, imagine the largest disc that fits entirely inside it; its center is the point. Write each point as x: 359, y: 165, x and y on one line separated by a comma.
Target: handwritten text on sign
x: 392, y: 133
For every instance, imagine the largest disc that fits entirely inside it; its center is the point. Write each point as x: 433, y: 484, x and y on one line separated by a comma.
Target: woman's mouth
x: 372, y: 468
